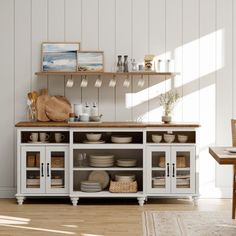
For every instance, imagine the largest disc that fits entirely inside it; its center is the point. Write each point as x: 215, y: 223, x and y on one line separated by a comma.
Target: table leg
x: 234, y: 192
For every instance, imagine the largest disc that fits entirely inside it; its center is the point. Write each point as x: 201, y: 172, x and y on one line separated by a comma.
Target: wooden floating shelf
x: 78, y: 73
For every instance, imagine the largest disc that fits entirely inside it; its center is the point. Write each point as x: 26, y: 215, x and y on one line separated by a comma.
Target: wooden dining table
x: 224, y: 157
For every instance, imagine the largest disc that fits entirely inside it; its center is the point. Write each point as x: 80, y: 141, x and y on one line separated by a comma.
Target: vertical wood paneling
x: 123, y: 47
x: 190, y: 60
x: 7, y: 94
x: 157, y: 46
x: 73, y: 31
x: 224, y: 85
x: 207, y: 94
x: 107, y: 31
x: 22, y: 56
x: 90, y: 42
x: 39, y: 35
x: 174, y: 49
x: 90, y: 25
x: 56, y: 26
x: 139, y: 95
x: 73, y: 20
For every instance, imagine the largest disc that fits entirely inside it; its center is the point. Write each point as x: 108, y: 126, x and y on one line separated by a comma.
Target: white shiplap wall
x: 198, y: 34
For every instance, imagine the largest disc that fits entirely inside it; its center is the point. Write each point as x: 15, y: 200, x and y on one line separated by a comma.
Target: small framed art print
x: 90, y: 61
x: 60, y: 56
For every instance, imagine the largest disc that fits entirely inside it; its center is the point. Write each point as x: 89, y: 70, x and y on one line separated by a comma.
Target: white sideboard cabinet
x: 52, y: 169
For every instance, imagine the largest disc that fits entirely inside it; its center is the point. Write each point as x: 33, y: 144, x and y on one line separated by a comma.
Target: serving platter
x: 94, y: 142
x: 100, y: 176
x: 231, y: 150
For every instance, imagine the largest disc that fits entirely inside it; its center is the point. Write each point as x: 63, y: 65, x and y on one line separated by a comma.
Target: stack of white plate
x: 101, y: 160
x: 124, y: 177
x: 121, y: 139
x: 183, y: 180
x: 126, y: 162
x: 158, y: 181
x: 90, y: 186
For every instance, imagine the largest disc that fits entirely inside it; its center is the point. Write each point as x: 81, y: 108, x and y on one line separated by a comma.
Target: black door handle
x: 168, y: 170
x: 42, y: 174
x: 48, y: 170
x: 173, y: 174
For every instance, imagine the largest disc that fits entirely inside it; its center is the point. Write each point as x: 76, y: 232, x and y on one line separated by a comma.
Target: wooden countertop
x: 223, y: 157
x: 107, y: 124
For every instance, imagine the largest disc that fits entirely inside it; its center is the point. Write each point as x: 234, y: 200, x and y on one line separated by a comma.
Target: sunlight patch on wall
x: 191, y: 71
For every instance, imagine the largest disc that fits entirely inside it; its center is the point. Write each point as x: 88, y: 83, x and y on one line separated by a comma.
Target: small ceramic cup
x: 43, y: 137
x: 34, y: 137
x: 59, y: 137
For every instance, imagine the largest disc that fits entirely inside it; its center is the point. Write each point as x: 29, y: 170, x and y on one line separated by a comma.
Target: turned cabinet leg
x: 141, y: 200
x: 234, y: 192
x: 74, y: 200
x: 195, y: 200
x: 20, y: 200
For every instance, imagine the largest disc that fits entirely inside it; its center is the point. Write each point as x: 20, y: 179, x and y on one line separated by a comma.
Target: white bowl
x: 169, y: 138
x: 84, y: 117
x: 182, y: 138
x: 93, y: 136
x: 121, y: 139
x: 156, y: 138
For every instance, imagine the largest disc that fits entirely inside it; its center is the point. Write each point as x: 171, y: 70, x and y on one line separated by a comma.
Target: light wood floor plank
x: 91, y: 217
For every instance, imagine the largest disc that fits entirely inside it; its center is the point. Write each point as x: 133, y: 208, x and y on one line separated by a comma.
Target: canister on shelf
x: 87, y: 109
x: 94, y: 110
x: 170, y: 65
x: 119, y: 66
x: 161, y: 66
x: 78, y: 109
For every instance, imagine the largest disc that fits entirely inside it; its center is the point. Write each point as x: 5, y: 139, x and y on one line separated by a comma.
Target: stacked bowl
x: 124, y: 177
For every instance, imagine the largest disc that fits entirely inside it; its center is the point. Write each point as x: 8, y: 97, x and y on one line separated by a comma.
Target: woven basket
x: 123, y: 187
x: 181, y: 162
x: 57, y: 162
x: 31, y: 160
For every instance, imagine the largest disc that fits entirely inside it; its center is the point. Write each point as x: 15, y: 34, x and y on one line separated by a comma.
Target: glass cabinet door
x: 159, y: 169
x: 183, y: 169
x: 33, y: 170
x: 56, y: 169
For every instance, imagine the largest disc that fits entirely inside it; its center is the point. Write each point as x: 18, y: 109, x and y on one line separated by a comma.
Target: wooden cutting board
x: 58, y: 108
x: 41, y: 104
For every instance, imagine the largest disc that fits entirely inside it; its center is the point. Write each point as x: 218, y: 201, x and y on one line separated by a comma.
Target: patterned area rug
x: 188, y: 223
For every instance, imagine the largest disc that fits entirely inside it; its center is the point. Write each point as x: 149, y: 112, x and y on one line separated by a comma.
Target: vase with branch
x: 168, y: 101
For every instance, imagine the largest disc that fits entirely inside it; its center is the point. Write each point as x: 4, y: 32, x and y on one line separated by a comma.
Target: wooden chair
x: 233, y: 128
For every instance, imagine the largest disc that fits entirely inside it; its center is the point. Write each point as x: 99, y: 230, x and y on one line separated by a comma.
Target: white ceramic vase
x: 166, y: 119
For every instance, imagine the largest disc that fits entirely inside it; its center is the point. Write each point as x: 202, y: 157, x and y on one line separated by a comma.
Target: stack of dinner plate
x: 158, y: 182
x: 124, y: 177
x: 183, y: 180
x: 90, y: 186
x: 126, y: 162
x: 101, y: 160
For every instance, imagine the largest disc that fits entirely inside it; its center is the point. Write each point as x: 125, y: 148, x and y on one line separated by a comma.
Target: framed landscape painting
x: 90, y: 61
x: 59, y: 56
